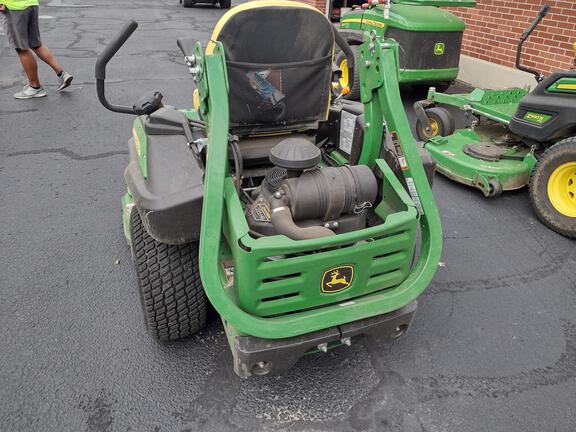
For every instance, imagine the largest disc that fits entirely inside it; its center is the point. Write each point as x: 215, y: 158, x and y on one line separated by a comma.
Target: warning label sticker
x: 414, y: 194
x: 347, y: 126
x: 261, y: 212
x: 399, y: 151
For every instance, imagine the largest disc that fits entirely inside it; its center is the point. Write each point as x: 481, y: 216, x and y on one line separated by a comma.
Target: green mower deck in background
x: 196, y: 212
x: 515, y: 138
x: 429, y: 39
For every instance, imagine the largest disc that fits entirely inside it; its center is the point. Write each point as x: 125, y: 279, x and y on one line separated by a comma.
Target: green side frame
x: 383, y: 104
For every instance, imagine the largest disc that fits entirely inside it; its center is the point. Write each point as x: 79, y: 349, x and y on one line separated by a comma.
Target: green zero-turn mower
x: 274, y: 205
x: 516, y: 138
x: 429, y: 38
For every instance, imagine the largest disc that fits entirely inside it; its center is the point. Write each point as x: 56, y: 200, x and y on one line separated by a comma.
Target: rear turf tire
x: 553, y: 188
x: 173, y: 300
x: 441, y: 122
x: 225, y: 4
x: 341, y: 63
x: 187, y: 3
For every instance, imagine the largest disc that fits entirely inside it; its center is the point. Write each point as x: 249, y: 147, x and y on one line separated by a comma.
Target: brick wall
x: 494, y: 26
x: 319, y: 4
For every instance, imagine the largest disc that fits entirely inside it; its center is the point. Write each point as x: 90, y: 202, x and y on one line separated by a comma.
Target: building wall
x: 319, y: 4
x: 494, y: 26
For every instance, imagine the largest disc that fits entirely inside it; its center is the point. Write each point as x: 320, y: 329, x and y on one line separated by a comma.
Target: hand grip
x: 112, y: 48
x: 543, y: 12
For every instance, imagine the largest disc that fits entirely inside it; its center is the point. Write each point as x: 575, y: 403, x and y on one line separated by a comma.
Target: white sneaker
x: 30, y: 92
x: 65, y: 80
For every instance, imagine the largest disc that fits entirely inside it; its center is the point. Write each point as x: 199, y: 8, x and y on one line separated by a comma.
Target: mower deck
x: 472, y: 159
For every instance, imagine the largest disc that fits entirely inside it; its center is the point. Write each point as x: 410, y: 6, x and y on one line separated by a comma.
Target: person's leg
x: 30, y: 66
x: 42, y: 51
x: 47, y: 57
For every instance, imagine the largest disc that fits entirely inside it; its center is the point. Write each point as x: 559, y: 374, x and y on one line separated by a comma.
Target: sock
x: 61, y: 72
x: 34, y: 87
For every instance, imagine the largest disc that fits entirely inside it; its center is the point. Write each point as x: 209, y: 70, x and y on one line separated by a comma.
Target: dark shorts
x: 21, y: 28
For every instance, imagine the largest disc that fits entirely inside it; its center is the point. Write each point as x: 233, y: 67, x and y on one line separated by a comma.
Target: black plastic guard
x: 256, y: 356
x: 560, y: 106
x: 169, y: 199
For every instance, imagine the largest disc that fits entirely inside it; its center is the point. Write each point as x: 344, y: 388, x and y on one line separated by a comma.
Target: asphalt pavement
x: 493, y: 346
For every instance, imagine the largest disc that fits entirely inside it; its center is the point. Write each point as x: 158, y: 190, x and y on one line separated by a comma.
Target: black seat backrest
x: 279, y: 56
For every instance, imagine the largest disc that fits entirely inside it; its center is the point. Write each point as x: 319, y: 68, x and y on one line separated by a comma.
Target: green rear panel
x: 411, y: 25
x: 276, y: 275
x: 404, y: 17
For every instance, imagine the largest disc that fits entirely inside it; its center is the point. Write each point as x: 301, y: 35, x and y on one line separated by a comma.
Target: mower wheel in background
x: 342, y: 63
x: 225, y: 4
x: 553, y: 188
x: 441, y: 124
x: 173, y: 299
x: 187, y: 3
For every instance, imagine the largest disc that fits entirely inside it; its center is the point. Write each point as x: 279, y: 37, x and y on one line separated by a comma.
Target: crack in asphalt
x: 11, y: 112
x: 391, y: 402
x: 68, y: 153
x: 522, y: 277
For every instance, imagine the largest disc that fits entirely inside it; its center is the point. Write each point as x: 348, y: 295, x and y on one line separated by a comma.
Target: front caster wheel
x: 171, y: 291
x: 225, y: 4
x: 495, y: 188
x: 441, y: 124
x: 187, y: 3
x: 553, y: 188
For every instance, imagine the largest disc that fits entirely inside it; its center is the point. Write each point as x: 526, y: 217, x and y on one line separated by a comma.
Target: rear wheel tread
x: 554, y: 156
x: 171, y: 292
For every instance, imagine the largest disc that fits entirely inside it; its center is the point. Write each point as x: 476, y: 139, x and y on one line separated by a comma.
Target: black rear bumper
x: 255, y: 356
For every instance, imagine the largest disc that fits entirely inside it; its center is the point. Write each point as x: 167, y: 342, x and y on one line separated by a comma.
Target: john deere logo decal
x: 337, y: 279
x: 439, y: 48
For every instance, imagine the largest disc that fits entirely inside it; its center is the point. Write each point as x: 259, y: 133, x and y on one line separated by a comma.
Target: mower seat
x: 279, y: 63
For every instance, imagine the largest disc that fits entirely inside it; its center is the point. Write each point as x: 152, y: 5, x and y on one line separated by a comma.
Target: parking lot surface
x: 492, y: 348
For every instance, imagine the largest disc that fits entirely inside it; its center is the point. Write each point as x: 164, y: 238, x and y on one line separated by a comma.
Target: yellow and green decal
x: 374, y: 23
x: 563, y: 85
x: 439, y: 48
x: 537, y: 118
x: 364, y: 21
x: 141, y: 145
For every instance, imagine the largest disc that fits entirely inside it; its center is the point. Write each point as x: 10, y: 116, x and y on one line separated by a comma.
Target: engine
x: 302, y: 200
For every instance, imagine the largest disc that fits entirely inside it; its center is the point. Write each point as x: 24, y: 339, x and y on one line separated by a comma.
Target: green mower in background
x: 516, y: 138
x: 295, y: 217
x: 429, y: 39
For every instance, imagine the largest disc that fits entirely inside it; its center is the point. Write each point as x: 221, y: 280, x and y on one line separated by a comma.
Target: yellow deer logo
x: 337, y: 279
